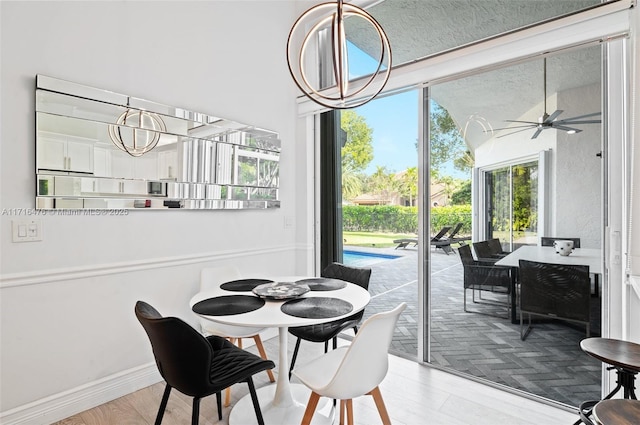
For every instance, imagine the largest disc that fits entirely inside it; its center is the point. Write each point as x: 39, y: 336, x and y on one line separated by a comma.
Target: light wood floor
x: 414, y: 395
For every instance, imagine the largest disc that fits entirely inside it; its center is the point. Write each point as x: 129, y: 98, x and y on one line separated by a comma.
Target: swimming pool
x: 362, y: 259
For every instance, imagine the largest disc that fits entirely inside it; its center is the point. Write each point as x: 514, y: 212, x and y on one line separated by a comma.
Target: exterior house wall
x: 575, y: 197
x: 578, y: 170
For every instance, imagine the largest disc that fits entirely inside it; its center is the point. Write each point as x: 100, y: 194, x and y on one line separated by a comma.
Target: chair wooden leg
x: 294, y: 356
x: 227, y: 397
x: 342, y: 409
x: 311, y: 408
x: 163, y: 404
x: 377, y: 397
x: 349, y: 411
x: 195, y: 415
x: 263, y: 354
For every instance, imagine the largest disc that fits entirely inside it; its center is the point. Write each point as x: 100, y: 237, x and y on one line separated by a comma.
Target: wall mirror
x: 103, y: 150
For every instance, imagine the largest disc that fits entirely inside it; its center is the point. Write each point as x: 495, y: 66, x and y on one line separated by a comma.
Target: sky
x: 394, y: 120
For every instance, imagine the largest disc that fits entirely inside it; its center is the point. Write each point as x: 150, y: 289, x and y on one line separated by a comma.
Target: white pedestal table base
x: 243, y: 413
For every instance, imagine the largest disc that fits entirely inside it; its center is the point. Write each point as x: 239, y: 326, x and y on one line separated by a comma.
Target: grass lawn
x: 369, y: 239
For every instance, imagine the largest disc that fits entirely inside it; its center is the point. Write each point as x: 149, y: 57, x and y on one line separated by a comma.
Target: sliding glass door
x: 511, y: 199
x: 529, y: 180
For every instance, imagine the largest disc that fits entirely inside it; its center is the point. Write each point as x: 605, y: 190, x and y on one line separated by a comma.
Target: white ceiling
x: 419, y: 28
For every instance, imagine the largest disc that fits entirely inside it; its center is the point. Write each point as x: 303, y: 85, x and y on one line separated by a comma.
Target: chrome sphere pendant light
x: 347, y: 94
x: 136, y: 132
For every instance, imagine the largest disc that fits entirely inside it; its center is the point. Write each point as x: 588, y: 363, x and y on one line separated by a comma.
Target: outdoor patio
x: 549, y: 363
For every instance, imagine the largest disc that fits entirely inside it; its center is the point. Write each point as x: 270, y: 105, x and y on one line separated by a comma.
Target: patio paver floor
x: 549, y: 363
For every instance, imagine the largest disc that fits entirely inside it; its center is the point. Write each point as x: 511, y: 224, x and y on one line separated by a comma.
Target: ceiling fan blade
x: 514, y: 132
x: 553, y: 116
x: 572, y: 121
x: 583, y: 116
x: 565, y: 128
x: 537, y: 133
x: 526, y: 122
x: 509, y: 128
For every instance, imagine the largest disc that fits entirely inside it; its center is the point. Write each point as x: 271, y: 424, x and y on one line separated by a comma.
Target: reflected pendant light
x: 347, y: 94
x: 136, y: 132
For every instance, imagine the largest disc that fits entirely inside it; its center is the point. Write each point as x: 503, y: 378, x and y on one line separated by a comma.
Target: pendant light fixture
x: 347, y: 93
x: 136, y: 132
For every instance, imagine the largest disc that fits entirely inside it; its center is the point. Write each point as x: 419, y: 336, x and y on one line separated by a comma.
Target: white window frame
x: 479, y: 209
x: 607, y: 22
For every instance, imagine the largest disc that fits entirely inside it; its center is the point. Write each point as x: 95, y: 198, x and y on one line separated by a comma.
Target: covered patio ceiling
x: 420, y: 28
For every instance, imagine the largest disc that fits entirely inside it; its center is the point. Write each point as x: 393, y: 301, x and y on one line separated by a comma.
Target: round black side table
x: 624, y: 357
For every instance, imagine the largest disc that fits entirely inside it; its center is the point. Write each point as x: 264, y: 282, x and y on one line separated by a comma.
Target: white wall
x: 578, y: 179
x: 575, y: 199
x: 67, y: 302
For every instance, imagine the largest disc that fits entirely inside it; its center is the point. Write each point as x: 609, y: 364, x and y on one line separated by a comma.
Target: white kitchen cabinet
x: 109, y: 186
x: 122, y: 187
x: 88, y: 186
x: 65, y: 153
x: 102, y: 161
x: 167, y: 165
x: 121, y: 165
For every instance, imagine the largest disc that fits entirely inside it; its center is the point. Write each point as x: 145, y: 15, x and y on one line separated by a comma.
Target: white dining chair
x: 354, y: 370
x: 211, y: 278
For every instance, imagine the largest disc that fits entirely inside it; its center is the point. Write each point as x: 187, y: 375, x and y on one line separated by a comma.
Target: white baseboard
x: 71, y: 402
x: 68, y: 403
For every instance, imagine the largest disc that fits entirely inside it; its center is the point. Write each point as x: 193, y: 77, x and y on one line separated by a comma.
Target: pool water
x: 362, y: 259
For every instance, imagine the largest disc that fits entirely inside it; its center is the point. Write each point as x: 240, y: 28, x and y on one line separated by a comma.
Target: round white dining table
x: 285, y: 402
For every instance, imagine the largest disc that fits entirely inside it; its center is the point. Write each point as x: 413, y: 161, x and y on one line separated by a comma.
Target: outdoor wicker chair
x: 482, y: 276
x: 557, y: 291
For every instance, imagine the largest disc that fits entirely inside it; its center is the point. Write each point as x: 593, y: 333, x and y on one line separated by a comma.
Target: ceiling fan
x: 547, y: 121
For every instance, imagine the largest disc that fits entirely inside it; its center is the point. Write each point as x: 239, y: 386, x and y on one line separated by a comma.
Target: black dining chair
x: 484, y: 251
x: 556, y: 291
x: 195, y: 365
x: 485, y: 276
x: 325, y: 332
x: 496, y: 248
x: 549, y: 240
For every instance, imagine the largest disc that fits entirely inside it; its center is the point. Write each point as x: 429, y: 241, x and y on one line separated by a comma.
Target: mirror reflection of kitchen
x: 100, y: 154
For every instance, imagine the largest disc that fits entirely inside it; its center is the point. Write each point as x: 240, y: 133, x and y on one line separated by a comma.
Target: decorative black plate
x: 323, y: 283
x: 316, y: 307
x: 243, y: 285
x: 280, y: 290
x: 227, y: 305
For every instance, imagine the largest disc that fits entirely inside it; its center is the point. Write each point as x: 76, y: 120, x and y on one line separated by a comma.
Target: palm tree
x: 382, y: 182
x: 408, y: 184
x: 352, y: 183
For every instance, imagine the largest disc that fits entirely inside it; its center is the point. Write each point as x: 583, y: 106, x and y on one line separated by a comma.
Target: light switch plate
x: 26, y: 230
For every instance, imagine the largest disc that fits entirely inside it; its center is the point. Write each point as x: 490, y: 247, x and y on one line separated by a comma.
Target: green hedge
x: 398, y: 219
x: 450, y: 216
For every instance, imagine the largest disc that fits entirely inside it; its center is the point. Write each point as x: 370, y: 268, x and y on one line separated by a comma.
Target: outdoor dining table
x: 547, y: 254
x: 234, y: 303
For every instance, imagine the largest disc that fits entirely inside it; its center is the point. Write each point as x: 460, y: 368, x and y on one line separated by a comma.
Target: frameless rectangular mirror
x: 102, y: 150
